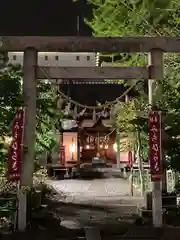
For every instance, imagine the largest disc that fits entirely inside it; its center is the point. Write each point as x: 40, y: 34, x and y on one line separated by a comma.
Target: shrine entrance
x: 96, y: 139
x: 155, y: 46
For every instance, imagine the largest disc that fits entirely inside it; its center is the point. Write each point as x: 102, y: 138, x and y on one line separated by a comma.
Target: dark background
x: 55, y: 18
x: 37, y: 17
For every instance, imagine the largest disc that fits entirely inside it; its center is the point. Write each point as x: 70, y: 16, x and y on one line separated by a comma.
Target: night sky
x: 37, y: 17
x: 54, y: 18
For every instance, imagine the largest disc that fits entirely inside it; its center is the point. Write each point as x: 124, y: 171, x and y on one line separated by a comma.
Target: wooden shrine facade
x: 96, y: 138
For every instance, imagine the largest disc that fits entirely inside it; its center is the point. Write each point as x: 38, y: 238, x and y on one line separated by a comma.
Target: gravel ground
x: 99, y: 209
x: 95, y: 202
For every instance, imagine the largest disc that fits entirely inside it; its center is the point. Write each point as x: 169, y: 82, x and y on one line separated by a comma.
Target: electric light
x: 87, y: 146
x: 72, y: 147
x: 115, y: 147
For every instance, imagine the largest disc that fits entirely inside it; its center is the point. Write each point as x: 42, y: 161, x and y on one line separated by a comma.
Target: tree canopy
x: 132, y: 18
x: 144, y: 18
x: 48, y: 114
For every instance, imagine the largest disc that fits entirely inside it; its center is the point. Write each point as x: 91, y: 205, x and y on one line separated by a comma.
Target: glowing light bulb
x: 115, y: 147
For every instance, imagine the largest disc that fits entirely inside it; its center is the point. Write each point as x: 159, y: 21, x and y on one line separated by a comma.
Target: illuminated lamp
x: 115, y: 147
x: 72, y: 149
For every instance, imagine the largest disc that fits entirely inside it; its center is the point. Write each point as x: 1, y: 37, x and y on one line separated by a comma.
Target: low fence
x: 9, y: 200
x: 147, y: 180
x: 8, y: 205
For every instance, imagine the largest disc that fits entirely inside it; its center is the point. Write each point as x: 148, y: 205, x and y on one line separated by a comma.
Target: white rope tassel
x: 60, y: 101
x: 82, y: 112
x: 99, y: 105
x: 105, y: 113
x: 75, y: 112
x: 67, y: 109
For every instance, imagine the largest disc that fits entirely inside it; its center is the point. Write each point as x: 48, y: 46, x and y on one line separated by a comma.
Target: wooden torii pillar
x: 27, y: 165
x: 32, y: 45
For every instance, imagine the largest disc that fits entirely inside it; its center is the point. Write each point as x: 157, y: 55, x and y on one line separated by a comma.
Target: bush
x: 9, y: 195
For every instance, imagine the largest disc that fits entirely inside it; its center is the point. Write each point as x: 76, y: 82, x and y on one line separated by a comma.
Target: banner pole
x: 155, y: 60
x: 21, y: 197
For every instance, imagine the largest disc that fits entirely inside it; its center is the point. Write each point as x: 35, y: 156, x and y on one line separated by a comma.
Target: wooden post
x: 78, y: 149
x: 155, y: 93
x: 118, y: 149
x: 27, y: 166
x: 92, y: 233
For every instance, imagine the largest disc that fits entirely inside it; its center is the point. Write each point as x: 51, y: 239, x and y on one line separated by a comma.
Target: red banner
x: 62, y: 155
x: 155, y: 145
x: 14, y: 160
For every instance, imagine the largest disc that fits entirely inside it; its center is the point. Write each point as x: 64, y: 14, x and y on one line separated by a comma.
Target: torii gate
x: 32, y: 45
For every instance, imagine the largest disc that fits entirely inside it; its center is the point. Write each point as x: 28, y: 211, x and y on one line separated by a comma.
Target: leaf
x: 48, y: 114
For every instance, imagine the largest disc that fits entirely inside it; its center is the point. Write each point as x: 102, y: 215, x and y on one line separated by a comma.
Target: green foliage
x: 3, y: 155
x: 122, y: 114
x: 48, y: 115
x: 145, y: 18
x: 130, y: 18
x: 10, y: 97
x: 171, y: 104
x: 128, y: 118
x: 48, y: 118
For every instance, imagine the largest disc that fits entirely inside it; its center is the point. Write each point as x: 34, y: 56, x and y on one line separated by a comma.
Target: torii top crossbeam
x: 90, y: 44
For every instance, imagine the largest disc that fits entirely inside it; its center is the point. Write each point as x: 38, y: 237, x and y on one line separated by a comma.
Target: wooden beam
x: 92, y: 72
x: 90, y: 44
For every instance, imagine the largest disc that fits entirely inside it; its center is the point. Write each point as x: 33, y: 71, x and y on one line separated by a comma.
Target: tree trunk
x: 131, y: 181
x: 131, y: 177
x: 140, y: 163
